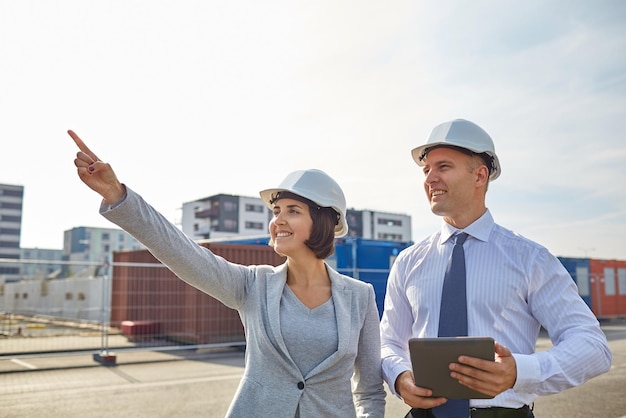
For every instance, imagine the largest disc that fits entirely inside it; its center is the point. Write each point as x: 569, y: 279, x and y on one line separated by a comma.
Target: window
x: 44, y: 288
x: 230, y: 206
x: 621, y: 280
x: 609, y: 281
x: 582, y: 281
x: 389, y: 222
x: 14, y: 193
x: 389, y: 237
x: 254, y: 208
x: 8, y: 205
x: 230, y: 224
x: 254, y: 225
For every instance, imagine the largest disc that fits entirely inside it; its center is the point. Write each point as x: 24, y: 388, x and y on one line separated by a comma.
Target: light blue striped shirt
x: 514, y: 287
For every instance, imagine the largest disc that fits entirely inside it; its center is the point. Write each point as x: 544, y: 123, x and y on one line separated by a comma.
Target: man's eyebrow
x: 442, y: 161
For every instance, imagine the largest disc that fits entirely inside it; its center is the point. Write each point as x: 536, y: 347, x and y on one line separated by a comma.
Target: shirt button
x: 300, y: 385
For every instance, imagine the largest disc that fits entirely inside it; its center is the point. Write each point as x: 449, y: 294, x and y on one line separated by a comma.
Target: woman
x: 312, y: 336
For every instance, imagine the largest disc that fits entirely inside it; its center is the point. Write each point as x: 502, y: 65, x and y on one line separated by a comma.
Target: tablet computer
x: 431, y: 357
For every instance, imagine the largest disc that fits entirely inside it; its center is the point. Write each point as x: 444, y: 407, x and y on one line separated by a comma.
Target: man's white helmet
x: 463, y: 134
x: 316, y: 186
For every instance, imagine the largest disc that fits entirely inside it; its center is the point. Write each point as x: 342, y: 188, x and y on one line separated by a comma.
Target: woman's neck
x: 311, y: 271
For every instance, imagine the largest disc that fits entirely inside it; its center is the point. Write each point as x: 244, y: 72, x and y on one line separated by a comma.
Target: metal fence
x: 101, y: 309
x: 136, y: 303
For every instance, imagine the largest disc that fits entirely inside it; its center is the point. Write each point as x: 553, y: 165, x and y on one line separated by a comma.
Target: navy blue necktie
x: 453, y: 318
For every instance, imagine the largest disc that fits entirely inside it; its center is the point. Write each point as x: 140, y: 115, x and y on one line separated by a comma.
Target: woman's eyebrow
x: 293, y: 205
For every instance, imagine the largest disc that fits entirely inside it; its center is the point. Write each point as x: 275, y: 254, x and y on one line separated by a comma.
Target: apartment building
x: 382, y: 226
x: 89, y: 247
x: 40, y: 263
x: 227, y: 216
x: 11, y: 202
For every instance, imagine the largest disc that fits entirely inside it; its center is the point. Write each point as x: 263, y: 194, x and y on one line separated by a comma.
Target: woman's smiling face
x: 290, y: 227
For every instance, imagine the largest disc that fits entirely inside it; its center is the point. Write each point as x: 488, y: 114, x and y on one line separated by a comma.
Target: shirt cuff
x: 392, y: 376
x: 105, y: 207
x: 528, y: 373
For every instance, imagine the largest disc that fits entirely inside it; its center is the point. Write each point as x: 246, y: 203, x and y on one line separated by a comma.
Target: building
x: 223, y: 216
x: 11, y: 202
x: 40, y: 262
x: 379, y: 225
x: 227, y: 216
x: 86, y: 247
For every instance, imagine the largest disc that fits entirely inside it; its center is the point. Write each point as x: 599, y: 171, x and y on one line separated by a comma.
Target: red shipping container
x: 144, y: 290
x: 608, y: 287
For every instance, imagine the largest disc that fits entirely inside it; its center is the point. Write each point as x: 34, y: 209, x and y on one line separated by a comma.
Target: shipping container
x: 608, y: 287
x: 364, y: 259
x: 145, y: 291
x: 367, y: 260
x: 578, y: 268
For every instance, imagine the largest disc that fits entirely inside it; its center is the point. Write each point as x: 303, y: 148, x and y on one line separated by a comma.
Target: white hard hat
x: 316, y: 186
x: 464, y: 134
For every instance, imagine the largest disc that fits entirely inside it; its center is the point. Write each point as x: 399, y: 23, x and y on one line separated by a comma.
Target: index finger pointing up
x: 81, y: 145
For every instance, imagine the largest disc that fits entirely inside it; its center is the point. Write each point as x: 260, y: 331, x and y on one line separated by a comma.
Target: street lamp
x: 586, y: 250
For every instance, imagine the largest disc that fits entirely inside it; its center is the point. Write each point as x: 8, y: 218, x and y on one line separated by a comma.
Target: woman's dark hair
x: 322, y: 239
x: 325, y: 219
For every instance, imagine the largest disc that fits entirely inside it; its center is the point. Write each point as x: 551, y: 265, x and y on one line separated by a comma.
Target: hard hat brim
x: 268, y: 196
x: 419, y: 155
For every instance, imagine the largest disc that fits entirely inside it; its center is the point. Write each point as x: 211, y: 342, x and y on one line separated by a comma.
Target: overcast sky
x: 188, y: 99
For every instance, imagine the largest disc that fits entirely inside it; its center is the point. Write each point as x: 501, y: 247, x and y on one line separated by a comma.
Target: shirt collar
x: 479, y: 229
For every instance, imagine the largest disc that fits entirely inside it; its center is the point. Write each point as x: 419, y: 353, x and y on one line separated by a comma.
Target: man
x: 513, y: 288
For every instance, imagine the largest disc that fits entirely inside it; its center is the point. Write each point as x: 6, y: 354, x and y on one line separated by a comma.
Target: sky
x: 188, y: 99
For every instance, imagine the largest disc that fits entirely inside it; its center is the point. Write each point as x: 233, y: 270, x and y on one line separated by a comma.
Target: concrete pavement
x: 201, y: 383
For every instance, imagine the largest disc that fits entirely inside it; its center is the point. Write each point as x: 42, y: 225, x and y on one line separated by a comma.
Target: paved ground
x: 201, y: 383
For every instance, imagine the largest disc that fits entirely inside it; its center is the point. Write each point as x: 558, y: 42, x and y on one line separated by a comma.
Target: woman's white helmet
x: 463, y: 134
x: 318, y: 187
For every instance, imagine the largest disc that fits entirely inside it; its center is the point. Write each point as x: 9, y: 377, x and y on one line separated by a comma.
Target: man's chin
x: 437, y: 210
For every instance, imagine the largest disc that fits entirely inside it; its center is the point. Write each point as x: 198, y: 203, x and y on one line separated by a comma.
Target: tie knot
x: 460, y: 238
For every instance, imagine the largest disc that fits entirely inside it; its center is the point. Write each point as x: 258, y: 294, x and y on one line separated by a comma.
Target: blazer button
x: 300, y: 385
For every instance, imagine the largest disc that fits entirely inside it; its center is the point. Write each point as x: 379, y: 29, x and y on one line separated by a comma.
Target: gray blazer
x: 272, y: 384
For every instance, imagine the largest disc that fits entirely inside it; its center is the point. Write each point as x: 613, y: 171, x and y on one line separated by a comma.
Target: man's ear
x: 482, y: 175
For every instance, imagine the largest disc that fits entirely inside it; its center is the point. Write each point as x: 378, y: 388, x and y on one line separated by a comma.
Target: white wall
x: 79, y: 299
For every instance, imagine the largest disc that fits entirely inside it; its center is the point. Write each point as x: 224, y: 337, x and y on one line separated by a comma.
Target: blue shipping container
x: 578, y: 268
x: 367, y: 260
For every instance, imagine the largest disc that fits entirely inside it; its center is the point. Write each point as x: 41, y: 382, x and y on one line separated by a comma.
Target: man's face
x: 449, y: 183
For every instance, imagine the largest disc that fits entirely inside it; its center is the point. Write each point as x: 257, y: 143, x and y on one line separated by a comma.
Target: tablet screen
x: 431, y: 358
